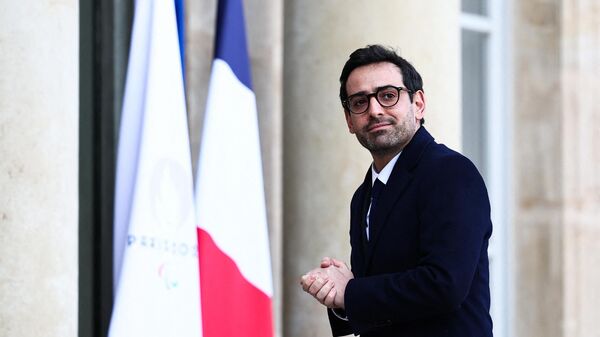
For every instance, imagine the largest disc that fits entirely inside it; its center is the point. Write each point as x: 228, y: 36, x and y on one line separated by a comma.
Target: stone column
x: 323, y: 163
x: 580, y: 127
x: 39, y: 121
x: 538, y: 216
x: 557, y: 63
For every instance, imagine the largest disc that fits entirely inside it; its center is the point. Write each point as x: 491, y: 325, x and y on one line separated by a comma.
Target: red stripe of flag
x: 231, y: 306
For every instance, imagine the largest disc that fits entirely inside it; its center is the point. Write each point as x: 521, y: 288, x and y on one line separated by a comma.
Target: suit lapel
x: 399, y: 180
x: 359, y: 225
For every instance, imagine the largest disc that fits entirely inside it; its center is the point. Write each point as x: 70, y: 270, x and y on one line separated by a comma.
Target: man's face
x: 383, y: 130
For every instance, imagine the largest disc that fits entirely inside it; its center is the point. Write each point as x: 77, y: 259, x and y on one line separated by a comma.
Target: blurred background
x: 511, y: 84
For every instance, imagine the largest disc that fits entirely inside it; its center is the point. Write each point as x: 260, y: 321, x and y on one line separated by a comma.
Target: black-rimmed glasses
x: 386, y: 96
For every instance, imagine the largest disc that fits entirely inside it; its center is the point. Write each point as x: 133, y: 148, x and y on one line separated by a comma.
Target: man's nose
x: 375, y: 109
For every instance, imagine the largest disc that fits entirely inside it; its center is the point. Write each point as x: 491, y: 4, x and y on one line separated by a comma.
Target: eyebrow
x: 363, y: 92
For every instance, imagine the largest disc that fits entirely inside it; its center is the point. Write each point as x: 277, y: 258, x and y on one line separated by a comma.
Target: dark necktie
x: 375, y: 191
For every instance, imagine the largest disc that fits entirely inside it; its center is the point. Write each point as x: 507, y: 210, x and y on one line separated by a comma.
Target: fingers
x: 307, y: 280
x: 322, y: 294
x: 318, y: 283
x: 321, y: 282
x: 339, y: 263
x: 329, y: 261
x: 330, y: 299
x: 338, y: 302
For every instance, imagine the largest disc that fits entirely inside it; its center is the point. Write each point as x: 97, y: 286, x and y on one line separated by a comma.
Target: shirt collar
x: 385, y: 173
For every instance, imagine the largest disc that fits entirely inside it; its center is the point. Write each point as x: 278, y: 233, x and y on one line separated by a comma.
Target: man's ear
x: 349, y: 121
x: 419, y: 103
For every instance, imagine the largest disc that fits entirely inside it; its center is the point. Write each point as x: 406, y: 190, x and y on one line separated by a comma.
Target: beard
x: 391, y: 140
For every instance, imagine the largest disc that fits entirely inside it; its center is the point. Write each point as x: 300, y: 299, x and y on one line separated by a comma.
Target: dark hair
x: 375, y: 54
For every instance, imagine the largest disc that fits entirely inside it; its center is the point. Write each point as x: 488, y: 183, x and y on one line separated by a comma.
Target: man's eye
x: 387, y: 95
x: 358, y: 102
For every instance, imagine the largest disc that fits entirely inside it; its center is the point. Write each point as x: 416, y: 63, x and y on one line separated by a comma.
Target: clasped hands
x: 328, y: 283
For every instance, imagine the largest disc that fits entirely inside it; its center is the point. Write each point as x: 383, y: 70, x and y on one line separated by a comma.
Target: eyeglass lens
x: 386, y: 97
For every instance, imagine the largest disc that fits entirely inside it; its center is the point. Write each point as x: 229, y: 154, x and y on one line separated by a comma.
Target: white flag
x: 158, y: 285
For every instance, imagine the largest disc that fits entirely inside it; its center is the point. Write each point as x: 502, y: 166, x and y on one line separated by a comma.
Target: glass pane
x: 474, y: 86
x: 474, y: 6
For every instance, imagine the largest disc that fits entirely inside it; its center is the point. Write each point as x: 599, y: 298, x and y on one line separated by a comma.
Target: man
x: 420, y: 222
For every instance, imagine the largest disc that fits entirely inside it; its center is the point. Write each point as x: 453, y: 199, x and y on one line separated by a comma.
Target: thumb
x: 338, y: 263
x: 326, y: 262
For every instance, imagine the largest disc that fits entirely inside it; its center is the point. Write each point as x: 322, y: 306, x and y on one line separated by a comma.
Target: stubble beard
x: 392, y: 141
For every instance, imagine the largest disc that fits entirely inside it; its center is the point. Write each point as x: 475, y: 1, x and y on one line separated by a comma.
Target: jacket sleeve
x: 454, y: 227
x: 339, y: 325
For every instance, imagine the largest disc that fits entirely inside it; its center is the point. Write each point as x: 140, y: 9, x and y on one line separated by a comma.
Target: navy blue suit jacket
x: 424, y: 271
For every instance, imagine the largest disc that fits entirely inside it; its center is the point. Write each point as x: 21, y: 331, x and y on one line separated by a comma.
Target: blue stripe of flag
x: 231, y: 39
x: 180, y: 30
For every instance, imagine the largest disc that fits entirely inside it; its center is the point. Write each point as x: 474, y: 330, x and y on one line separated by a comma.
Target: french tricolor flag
x: 233, y: 246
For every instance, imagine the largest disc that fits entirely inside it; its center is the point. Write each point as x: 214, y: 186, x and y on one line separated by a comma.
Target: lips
x: 377, y: 126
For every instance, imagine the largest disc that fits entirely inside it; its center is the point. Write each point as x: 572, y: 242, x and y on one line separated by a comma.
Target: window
x: 486, y: 134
